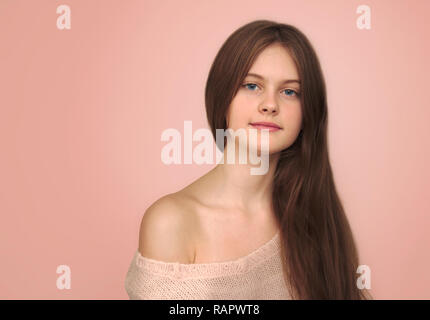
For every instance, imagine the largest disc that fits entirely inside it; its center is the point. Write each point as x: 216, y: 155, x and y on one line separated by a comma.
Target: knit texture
x: 256, y: 276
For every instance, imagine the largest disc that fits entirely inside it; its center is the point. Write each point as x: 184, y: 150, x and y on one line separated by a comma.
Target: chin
x: 273, y: 149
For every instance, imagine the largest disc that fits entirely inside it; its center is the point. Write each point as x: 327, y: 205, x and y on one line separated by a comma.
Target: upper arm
x: 163, y: 233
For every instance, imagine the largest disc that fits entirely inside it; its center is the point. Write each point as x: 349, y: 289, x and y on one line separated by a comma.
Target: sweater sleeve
x: 160, y: 281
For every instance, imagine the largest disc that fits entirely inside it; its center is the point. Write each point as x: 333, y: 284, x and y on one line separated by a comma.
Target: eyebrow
x: 262, y: 78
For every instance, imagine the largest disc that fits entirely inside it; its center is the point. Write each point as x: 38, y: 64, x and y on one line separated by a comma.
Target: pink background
x: 82, y: 111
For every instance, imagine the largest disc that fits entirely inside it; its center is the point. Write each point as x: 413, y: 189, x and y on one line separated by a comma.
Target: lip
x: 266, y: 125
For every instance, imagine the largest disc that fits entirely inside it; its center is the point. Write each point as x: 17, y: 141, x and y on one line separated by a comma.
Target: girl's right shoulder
x: 165, y: 231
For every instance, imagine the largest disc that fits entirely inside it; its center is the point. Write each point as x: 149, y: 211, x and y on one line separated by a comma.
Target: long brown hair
x: 319, y: 255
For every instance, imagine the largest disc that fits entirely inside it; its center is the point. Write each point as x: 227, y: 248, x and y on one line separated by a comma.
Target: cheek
x: 238, y: 114
x: 293, y: 117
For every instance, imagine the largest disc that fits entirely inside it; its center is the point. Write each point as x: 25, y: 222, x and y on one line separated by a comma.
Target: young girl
x: 234, y: 235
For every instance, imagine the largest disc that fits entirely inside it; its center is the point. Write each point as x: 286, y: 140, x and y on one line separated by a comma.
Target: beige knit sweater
x: 256, y: 276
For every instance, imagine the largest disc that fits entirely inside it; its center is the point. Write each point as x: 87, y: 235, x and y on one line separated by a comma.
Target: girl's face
x: 269, y: 93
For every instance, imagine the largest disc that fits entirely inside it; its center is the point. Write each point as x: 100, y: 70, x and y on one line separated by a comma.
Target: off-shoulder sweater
x: 256, y: 276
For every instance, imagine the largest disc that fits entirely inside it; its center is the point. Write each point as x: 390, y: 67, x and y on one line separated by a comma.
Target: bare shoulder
x: 165, y: 230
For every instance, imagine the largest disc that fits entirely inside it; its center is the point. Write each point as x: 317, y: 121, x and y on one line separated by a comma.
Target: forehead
x: 276, y: 62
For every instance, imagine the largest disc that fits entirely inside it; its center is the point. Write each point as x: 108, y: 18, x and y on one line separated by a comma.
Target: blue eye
x: 291, y: 91
x: 250, y: 84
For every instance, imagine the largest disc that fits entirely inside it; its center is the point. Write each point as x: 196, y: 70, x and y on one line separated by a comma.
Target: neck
x: 235, y: 186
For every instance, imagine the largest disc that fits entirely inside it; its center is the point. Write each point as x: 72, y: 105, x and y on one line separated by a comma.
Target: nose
x: 269, y: 105
x: 268, y: 109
